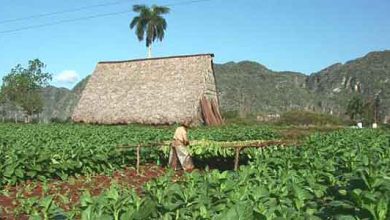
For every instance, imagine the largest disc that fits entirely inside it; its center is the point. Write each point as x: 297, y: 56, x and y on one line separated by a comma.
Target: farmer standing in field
x: 179, y: 148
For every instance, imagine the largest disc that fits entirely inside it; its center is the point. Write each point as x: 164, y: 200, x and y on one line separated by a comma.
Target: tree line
x: 364, y: 109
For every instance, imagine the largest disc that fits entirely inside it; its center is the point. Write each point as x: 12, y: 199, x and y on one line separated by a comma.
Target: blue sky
x: 296, y: 35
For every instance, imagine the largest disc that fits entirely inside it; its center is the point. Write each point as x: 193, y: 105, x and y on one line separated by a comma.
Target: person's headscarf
x: 186, y: 123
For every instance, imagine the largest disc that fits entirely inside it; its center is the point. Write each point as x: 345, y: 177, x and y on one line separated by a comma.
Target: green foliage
x: 371, y: 110
x: 232, y: 133
x: 40, y: 209
x: 355, y: 108
x: 116, y: 203
x: 343, y: 175
x: 308, y: 118
x: 230, y: 115
x: 149, y: 22
x: 21, y: 86
x: 63, y: 150
x: 234, y: 117
x: 340, y: 175
x: 362, y: 109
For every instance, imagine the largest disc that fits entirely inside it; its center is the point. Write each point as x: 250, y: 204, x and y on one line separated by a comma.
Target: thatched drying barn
x: 163, y: 90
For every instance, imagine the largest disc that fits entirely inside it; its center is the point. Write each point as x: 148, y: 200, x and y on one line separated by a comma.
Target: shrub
x: 308, y: 118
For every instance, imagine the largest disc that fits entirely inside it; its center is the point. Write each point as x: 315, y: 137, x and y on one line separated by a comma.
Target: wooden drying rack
x: 238, y: 148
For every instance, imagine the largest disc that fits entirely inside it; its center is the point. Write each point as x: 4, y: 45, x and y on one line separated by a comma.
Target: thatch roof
x: 161, y: 90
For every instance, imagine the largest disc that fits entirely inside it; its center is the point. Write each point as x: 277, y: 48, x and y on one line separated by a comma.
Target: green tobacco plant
x: 340, y: 175
x: 116, y: 203
x: 43, y: 208
x: 60, y: 151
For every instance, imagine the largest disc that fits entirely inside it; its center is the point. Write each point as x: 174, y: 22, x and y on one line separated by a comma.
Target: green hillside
x: 249, y: 87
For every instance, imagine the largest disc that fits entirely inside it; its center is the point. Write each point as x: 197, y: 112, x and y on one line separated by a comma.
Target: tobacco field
x: 58, y: 151
x: 338, y: 175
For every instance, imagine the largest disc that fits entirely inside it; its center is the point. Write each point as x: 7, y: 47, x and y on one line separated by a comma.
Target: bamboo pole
x: 237, y: 158
x: 256, y: 144
x: 155, y: 144
x: 138, y: 158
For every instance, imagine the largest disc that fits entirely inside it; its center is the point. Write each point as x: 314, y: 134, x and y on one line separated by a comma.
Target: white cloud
x: 67, y: 76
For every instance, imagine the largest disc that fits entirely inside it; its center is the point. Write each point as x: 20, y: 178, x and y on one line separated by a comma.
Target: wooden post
x: 236, y: 160
x: 138, y: 158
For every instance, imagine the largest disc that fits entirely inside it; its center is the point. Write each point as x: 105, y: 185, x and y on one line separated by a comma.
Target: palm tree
x: 150, y: 22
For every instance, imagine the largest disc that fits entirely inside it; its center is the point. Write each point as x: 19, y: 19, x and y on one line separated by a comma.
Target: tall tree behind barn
x: 163, y: 90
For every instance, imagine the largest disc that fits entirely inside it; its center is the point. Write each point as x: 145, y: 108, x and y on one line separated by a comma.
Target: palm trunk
x: 150, y: 51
